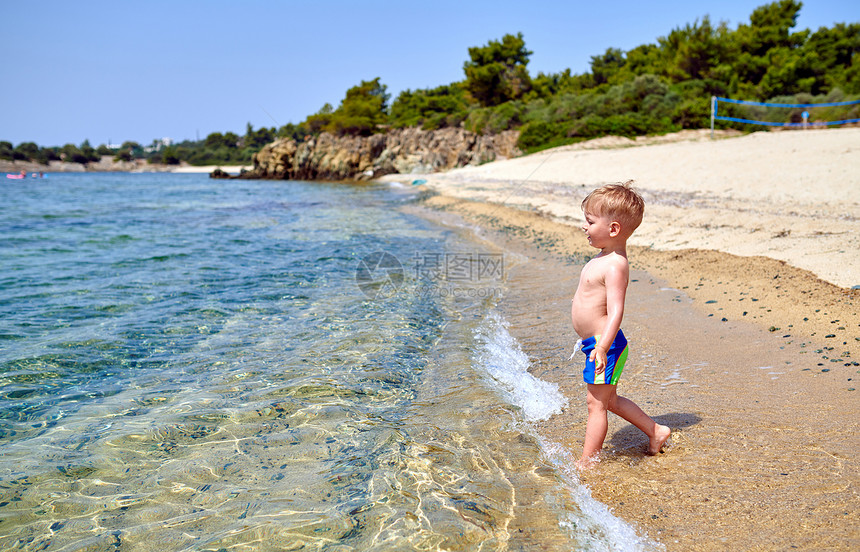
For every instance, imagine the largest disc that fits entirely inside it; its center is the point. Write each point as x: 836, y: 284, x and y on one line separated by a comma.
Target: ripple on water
x: 189, y: 366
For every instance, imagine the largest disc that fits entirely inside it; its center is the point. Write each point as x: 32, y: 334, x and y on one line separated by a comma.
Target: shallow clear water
x: 194, y: 364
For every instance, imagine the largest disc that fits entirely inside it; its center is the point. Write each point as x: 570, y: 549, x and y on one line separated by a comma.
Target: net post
x: 713, y: 109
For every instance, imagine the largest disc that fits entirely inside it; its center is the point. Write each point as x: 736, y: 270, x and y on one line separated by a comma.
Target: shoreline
x: 207, y: 169
x: 744, y: 471
x: 108, y: 165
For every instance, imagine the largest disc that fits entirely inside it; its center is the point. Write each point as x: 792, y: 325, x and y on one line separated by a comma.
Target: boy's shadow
x: 629, y: 439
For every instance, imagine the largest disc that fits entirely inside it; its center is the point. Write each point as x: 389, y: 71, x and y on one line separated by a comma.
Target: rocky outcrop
x: 399, y: 151
x: 219, y: 173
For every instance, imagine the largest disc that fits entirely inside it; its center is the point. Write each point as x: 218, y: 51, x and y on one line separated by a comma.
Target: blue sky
x: 115, y: 71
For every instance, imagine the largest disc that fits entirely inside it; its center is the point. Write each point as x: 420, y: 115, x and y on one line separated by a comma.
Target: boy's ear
x: 614, y: 228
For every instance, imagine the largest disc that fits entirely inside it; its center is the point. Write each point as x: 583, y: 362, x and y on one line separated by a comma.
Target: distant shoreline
x: 192, y: 169
x: 107, y: 164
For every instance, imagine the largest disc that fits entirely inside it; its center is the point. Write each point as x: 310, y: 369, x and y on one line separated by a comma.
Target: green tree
x: 6, y: 150
x: 692, y: 51
x: 123, y: 155
x: 362, y: 111
x: 827, y: 58
x: 545, y: 86
x: 257, y: 139
x: 314, y: 124
x: 492, y: 120
x: 231, y: 140
x: 72, y: 154
x: 644, y: 59
x: 214, y: 140
x: 169, y: 157
x: 28, y: 151
x: 296, y: 132
x: 51, y: 154
x: 497, y: 73
x: 770, y: 27
x: 89, y: 152
x: 443, y: 106
x: 604, y: 67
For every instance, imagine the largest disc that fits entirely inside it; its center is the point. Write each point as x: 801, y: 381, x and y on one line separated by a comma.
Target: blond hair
x: 619, y: 202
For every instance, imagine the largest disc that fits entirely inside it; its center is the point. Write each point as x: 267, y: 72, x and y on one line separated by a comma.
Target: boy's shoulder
x: 609, y: 260
x: 607, y: 265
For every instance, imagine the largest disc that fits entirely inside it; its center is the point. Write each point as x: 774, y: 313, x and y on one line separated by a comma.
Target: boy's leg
x: 630, y: 411
x: 598, y: 400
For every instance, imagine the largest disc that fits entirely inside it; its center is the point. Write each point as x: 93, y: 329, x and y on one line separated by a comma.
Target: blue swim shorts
x: 615, y: 359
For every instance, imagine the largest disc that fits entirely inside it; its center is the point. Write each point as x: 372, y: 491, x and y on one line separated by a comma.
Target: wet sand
x: 751, y: 361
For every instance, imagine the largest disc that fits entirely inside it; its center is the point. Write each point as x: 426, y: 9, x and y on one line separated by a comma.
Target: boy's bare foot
x: 586, y: 463
x: 659, y: 440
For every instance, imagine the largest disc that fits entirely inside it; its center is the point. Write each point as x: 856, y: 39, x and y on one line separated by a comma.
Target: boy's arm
x: 615, y: 280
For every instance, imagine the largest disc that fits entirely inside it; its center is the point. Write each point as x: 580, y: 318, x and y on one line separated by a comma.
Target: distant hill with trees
x: 653, y: 88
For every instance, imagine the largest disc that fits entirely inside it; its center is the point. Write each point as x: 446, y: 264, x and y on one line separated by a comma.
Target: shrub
x: 538, y: 135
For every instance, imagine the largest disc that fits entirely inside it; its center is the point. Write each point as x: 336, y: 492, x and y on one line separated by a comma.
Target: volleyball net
x: 788, y: 115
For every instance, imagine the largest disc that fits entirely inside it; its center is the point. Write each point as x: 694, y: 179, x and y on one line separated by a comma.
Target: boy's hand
x: 598, y: 357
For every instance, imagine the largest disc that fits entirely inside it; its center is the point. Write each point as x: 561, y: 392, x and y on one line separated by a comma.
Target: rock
x: 399, y: 151
x: 218, y: 173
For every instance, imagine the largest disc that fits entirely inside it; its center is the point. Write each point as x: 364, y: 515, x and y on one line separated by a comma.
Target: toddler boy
x: 612, y: 213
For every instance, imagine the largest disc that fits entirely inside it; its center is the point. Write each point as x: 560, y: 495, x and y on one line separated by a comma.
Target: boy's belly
x: 587, y: 321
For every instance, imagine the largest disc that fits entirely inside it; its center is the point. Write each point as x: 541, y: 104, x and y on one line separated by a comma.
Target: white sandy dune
x: 791, y: 195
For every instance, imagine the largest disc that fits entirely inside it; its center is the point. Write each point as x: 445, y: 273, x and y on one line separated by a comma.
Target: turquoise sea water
x: 193, y: 364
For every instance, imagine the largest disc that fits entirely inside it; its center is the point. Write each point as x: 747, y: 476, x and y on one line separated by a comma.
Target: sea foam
x: 501, y: 356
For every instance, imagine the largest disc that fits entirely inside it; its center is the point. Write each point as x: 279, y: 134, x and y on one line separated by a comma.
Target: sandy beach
x: 745, y: 326
x: 791, y: 196
x: 230, y: 169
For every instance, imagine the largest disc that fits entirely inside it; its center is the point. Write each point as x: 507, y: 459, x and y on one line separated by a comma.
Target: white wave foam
x: 501, y: 356
x: 597, y: 527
